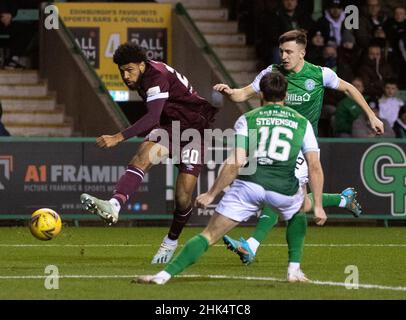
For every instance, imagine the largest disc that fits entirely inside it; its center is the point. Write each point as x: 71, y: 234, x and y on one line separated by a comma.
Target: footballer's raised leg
x: 127, y: 186
x: 246, y: 249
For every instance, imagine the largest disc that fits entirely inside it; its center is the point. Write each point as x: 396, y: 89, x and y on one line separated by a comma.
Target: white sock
x: 343, y: 202
x: 254, y: 244
x: 170, y: 242
x: 293, y: 266
x: 163, y: 275
x: 116, y: 205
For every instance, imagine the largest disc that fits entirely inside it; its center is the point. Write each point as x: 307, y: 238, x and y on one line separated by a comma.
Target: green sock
x: 265, y: 224
x: 329, y: 199
x: 191, y: 252
x: 295, y: 235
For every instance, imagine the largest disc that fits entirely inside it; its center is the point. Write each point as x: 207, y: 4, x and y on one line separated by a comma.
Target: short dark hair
x: 273, y: 86
x: 335, y: 4
x: 129, y: 52
x: 358, y: 78
x: 374, y: 44
x: 297, y: 35
x: 390, y: 81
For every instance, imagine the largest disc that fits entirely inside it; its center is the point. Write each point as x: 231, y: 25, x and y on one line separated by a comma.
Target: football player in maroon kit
x: 169, y: 99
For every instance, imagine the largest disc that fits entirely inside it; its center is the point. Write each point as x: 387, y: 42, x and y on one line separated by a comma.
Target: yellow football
x: 45, y: 224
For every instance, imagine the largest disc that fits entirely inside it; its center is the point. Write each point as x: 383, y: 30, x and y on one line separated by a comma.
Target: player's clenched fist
x: 203, y: 200
x: 320, y: 216
x: 107, y: 141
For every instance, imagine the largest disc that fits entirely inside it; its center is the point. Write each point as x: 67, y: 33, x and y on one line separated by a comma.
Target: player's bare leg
x: 185, y: 185
x: 147, y: 154
x: 218, y: 226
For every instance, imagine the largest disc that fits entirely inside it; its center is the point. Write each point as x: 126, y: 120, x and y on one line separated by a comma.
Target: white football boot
x: 103, y: 208
x: 149, y: 279
x: 297, y: 276
x: 164, y: 253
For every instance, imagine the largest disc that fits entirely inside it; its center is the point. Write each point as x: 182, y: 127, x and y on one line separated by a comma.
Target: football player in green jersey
x: 306, y: 84
x: 275, y: 134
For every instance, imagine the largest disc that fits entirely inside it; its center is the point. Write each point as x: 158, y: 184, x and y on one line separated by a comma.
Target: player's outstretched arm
x: 144, y: 124
x: 236, y: 95
x: 354, y: 94
x: 227, y: 175
x: 316, y: 179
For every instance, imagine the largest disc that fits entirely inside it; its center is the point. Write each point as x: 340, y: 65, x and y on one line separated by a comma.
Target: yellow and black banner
x: 99, y: 28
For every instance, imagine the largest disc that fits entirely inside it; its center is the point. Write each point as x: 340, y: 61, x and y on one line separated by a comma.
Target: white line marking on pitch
x: 341, y: 245
x: 69, y: 276
x: 399, y: 245
x: 210, y: 276
x: 74, y: 245
x: 316, y: 282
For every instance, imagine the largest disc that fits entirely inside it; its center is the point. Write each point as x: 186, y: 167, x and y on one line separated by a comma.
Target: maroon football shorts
x: 188, y: 156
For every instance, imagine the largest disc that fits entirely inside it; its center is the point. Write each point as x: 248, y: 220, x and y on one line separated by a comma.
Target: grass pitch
x: 99, y: 263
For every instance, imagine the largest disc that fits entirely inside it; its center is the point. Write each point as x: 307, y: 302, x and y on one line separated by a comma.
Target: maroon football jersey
x: 182, y: 102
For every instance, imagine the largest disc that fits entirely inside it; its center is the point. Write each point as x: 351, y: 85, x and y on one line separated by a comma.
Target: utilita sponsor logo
x: 293, y: 97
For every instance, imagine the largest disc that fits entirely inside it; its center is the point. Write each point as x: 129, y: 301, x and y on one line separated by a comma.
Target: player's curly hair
x: 273, y: 86
x: 129, y: 52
